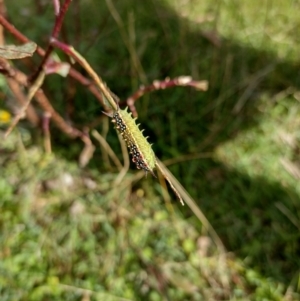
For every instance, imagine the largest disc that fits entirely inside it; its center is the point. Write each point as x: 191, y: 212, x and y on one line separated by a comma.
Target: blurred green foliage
x: 63, y: 240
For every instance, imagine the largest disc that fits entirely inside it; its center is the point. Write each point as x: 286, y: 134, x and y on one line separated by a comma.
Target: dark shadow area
x: 245, y: 212
x: 181, y: 120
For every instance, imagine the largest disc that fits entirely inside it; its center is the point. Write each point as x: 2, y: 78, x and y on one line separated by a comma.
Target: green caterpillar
x: 141, y: 150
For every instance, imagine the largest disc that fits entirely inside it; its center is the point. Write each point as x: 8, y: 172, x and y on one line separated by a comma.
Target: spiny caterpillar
x: 141, y: 150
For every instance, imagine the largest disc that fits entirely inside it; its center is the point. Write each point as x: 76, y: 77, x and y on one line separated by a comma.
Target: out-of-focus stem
x: 184, y: 81
x: 57, y: 27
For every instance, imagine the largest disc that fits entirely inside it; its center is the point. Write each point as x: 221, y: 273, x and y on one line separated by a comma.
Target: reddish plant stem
x: 40, y: 51
x: 43, y: 101
x: 9, y: 71
x: 2, y: 13
x: 67, y: 49
x: 164, y: 84
x: 56, y: 5
x: 16, y: 33
x: 57, y: 27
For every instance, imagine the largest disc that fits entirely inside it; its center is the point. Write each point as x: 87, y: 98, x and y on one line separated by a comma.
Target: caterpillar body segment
x: 140, y: 149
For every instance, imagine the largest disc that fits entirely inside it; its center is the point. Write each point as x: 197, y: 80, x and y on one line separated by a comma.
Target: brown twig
x: 9, y: 71
x: 33, y: 89
x: 21, y: 99
x: 184, y: 81
x: 87, y: 152
x: 44, y: 103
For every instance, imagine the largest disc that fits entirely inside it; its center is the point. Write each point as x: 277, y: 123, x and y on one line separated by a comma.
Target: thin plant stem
x: 17, y: 34
x: 126, y: 166
x: 191, y: 203
x: 184, y: 81
x: 18, y: 93
x: 87, y: 152
x: 32, y: 91
x: 56, y: 30
x: 107, y: 149
x: 69, y: 50
x: 104, y: 132
x: 47, y: 133
x: 127, y: 41
x: 164, y: 171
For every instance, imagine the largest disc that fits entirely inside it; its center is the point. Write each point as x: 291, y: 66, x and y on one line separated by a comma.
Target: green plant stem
x: 69, y: 50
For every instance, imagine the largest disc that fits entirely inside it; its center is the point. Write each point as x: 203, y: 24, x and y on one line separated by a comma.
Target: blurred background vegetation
x: 71, y: 234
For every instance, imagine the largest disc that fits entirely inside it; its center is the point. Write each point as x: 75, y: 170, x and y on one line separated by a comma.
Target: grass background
x: 80, y: 237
